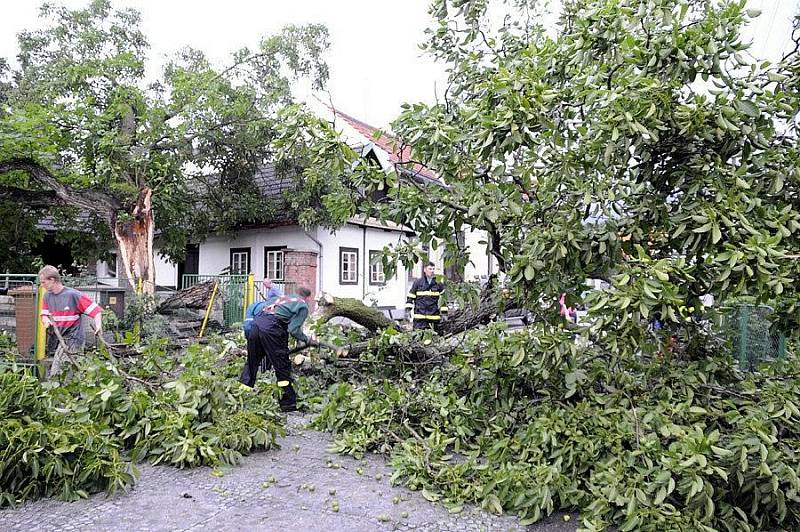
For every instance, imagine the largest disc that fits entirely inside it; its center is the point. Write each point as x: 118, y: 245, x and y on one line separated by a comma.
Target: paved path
x: 299, y: 487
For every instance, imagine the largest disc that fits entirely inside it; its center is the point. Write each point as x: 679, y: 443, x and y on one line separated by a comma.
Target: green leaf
x: 748, y: 108
x: 430, y: 496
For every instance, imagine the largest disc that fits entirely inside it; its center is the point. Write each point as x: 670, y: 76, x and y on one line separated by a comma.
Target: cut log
x: 195, y: 297
x: 371, y: 318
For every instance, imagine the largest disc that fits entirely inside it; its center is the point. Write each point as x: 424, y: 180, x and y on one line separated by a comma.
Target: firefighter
x: 268, y: 337
x: 425, y: 301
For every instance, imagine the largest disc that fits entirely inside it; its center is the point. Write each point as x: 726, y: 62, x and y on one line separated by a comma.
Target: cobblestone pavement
x: 299, y: 487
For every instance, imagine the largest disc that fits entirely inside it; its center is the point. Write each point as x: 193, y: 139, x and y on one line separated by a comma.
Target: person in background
x: 270, y: 290
x: 62, y: 309
x: 426, y: 300
x: 569, y: 313
x: 268, y: 337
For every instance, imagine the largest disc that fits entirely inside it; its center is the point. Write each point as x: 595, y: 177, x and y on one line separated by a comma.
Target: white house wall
x: 391, y: 294
x: 215, y: 252
x: 166, y: 271
x: 480, y: 265
x: 214, y: 257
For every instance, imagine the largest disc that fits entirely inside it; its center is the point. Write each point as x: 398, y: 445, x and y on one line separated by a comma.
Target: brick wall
x: 301, y: 267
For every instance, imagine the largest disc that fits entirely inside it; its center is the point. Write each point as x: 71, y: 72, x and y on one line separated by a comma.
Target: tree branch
x: 32, y: 199
x: 89, y: 200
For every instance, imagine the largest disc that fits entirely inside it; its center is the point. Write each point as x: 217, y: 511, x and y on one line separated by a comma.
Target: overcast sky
x: 374, y: 58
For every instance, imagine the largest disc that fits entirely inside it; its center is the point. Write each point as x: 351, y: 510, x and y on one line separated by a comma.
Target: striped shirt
x: 65, y: 308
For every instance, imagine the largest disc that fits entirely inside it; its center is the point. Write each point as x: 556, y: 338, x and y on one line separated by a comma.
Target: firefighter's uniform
x: 426, y: 302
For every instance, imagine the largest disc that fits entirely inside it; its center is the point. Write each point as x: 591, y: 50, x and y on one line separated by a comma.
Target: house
x: 343, y: 262
x: 393, y: 157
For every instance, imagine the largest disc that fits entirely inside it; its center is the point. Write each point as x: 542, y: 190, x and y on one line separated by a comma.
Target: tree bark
x: 134, y: 238
x: 490, y: 305
x: 89, y: 200
x: 194, y: 297
x: 354, y: 310
x: 132, y: 233
x: 30, y: 199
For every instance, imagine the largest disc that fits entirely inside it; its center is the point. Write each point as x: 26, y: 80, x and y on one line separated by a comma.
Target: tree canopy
x: 83, y: 126
x: 640, y: 143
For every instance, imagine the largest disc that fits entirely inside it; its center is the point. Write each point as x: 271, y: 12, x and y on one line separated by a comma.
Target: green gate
x: 231, y: 291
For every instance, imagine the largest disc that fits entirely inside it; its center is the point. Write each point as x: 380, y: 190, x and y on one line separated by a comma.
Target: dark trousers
x: 268, y: 342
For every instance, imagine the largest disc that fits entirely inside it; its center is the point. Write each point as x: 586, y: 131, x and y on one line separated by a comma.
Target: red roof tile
x: 389, y: 144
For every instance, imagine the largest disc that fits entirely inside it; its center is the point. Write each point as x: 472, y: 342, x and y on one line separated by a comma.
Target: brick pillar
x: 300, y: 267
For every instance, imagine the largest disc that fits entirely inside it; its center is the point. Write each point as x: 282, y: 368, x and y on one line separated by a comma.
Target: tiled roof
x: 397, y: 154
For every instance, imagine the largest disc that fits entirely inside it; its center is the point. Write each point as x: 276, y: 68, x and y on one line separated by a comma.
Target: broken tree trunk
x: 492, y: 303
x: 134, y: 236
x: 353, y: 309
x: 132, y: 230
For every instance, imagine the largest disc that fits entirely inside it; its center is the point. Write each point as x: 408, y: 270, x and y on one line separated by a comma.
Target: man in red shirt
x: 62, y: 308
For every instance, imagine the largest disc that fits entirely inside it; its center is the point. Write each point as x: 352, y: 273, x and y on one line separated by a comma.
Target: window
x: 273, y: 263
x: 111, y: 266
x: 348, y: 266
x: 376, y: 275
x: 240, y: 261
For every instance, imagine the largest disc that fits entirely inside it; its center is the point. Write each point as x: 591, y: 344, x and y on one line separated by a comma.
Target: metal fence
x: 231, y: 291
x: 752, y: 339
x: 234, y: 292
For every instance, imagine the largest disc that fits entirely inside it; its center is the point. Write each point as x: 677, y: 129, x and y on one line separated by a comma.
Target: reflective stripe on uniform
x: 443, y: 309
x: 432, y: 317
x: 66, y: 317
x: 428, y: 293
x: 412, y: 296
x: 409, y: 306
x: 283, y: 384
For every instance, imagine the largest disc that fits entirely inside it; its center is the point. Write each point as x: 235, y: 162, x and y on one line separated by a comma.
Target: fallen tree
x: 193, y: 297
x: 583, y: 153
x: 353, y: 309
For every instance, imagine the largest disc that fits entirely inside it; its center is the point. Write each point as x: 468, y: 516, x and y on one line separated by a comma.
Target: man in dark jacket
x: 426, y: 300
x: 269, y: 337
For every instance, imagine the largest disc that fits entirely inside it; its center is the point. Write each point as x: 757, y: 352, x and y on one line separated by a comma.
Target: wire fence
x: 752, y: 339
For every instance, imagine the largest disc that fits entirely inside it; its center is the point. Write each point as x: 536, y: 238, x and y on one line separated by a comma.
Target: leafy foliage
x: 45, y: 453
x: 529, y: 422
x: 637, y: 144
x: 186, y: 410
x: 82, y: 125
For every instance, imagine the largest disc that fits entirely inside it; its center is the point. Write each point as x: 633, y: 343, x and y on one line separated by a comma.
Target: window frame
x: 275, y: 249
x: 112, y: 267
x: 342, y: 252
x: 236, y: 251
x: 376, y: 263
